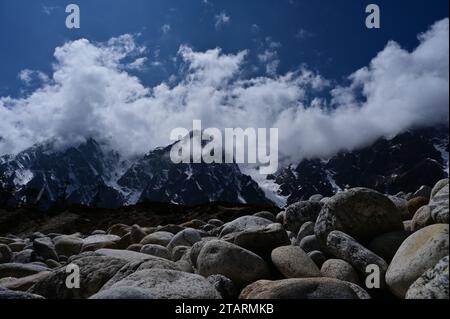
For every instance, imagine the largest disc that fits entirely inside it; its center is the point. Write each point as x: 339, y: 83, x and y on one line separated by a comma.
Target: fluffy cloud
x: 222, y: 19
x: 91, y: 94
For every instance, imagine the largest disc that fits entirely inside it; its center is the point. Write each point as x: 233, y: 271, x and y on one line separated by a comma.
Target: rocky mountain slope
x: 401, y: 164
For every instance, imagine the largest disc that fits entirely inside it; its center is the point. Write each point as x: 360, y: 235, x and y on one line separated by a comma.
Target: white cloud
x: 92, y: 95
x: 28, y: 76
x: 48, y: 10
x: 166, y: 28
x: 222, y: 19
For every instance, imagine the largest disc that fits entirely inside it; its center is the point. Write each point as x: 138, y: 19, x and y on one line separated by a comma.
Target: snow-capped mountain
x: 46, y: 176
x: 403, y: 163
x: 93, y: 176
x: 156, y: 178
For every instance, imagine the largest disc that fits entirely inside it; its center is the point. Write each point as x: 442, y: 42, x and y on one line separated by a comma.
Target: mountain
x: 155, y: 178
x: 46, y: 176
x: 403, y: 163
x: 91, y: 175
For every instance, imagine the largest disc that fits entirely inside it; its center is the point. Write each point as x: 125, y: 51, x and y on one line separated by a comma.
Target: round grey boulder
x: 418, y: 253
x: 340, y: 269
x: 299, y: 213
x: 243, y: 223
x: 156, y: 250
x: 293, y: 262
x: 361, y: 213
x: 186, y: 237
x: 162, y: 238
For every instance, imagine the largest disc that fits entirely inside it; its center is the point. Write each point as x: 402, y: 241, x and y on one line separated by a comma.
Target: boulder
x: 439, y: 206
x: 347, y: 248
x: 96, y: 242
x: 422, y: 218
x: 416, y: 203
x: 135, y: 247
x: 195, y: 224
x: 6, y: 254
x: 224, y: 286
x: 24, y: 257
x: 186, y: 237
x: 136, y: 234
x: 25, y: 283
x: 94, y: 271
x: 162, y: 238
x: 386, y: 245
x: 16, y: 270
x: 361, y: 213
x: 260, y: 240
x: 316, y: 198
x: 318, y: 257
x: 178, y: 252
x: 197, y: 248
x: 169, y: 284
x: 433, y: 284
x: 126, y: 255
x: 423, y: 191
x: 293, y: 262
x: 243, y: 223
x: 439, y: 185
x: 45, y: 248
x: 307, y: 229
x: 418, y: 253
x: 310, y: 243
x: 234, y: 262
x: 119, y: 230
x: 7, y: 294
x: 299, y: 213
x: 68, y: 245
x: 340, y: 269
x: 124, y: 293
x: 156, y: 250
x: 266, y: 215
x: 402, y: 206
x: 215, y: 222
x: 304, y: 288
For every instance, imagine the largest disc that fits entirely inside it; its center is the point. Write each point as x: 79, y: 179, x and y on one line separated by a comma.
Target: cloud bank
x: 91, y: 93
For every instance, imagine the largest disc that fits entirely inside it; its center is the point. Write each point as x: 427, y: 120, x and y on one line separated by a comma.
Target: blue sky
x: 327, y: 35
x: 137, y: 69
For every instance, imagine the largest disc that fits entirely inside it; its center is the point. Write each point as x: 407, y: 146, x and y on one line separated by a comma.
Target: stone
x: 195, y: 224
x: 266, y: 215
x: 310, y: 243
x: 25, y: 283
x: 186, y: 237
x: 340, y: 269
x: 215, y: 222
x: 318, y: 257
x: 17, y: 246
x: 52, y: 263
x: 402, y: 206
x: 418, y: 253
x: 94, y: 272
x: 439, y: 185
x: 196, y: 249
x: 316, y: 198
x: 423, y: 191
x: 45, y: 248
x: 156, y: 250
x: 7, y: 294
x: 307, y: 229
x: 416, y: 203
x: 170, y: 284
x: 299, y: 213
x: 6, y: 254
x: 280, y: 218
x: 20, y: 270
x: 124, y: 293
x: 126, y: 255
x: 96, y: 242
x: 224, y: 286
x: 68, y: 245
x: 303, y: 288
x: 407, y: 226
x: 136, y: 234
x: 293, y: 262
x: 173, y: 229
x: 347, y: 248
x: 24, y: 257
x: 433, y: 284
x: 260, y: 240
x: 386, y: 245
x: 439, y: 205
x: 178, y: 252
x: 135, y: 247
x: 422, y: 218
x: 234, y: 262
x: 119, y: 230
x: 162, y: 238
x: 243, y: 223
x: 361, y: 213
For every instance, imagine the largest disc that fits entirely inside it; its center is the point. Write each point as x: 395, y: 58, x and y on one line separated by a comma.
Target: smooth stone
x: 7, y: 294
x: 186, y: 237
x: 156, y: 250
x: 158, y: 238
x: 422, y: 218
x: 340, y: 269
x: 387, y: 245
x: 68, y: 245
x: 224, y: 286
x: 299, y: 213
x: 45, y: 248
x: 439, y: 185
x: 20, y: 270
x: 234, y: 262
x: 25, y: 283
x: 266, y: 215
x: 310, y: 243
x: 418, y: 253
x: 439, y: 205
x: 433, y: 284
x: 124, y: 293
x: 243, y: 223
x: 6, y: 254
x: 307, y: 229
x: 293, y: 262
x: 318, y: 257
